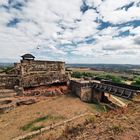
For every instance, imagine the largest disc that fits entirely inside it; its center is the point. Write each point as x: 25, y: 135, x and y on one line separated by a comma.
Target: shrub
x: 116, y: 129
x: 7, y: 69
x: 90, y: 119
x: 136, y: 81
x: 113, y: 78
x: 77, y: 75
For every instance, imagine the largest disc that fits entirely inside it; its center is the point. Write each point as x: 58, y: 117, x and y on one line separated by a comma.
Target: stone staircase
x: 2, y: 85
x: 7, y: 93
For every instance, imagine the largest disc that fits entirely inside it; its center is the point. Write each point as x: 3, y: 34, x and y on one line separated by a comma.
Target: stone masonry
x: 33, y: 73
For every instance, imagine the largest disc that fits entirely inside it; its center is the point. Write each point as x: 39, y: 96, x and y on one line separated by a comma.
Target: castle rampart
x: 32, y: 73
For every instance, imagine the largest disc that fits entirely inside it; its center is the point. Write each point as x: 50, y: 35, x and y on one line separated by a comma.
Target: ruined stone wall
x: 75, y: 88
x: 8, y: 81
x: 97, y: 95
x: 35, y: 66
x: 86, y: 94
x: 32, y: 73
x: 85, y: 91
x: 36, y: 73
x: 43, y: 79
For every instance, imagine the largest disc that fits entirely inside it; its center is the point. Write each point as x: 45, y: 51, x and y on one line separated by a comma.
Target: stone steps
x: 7, y: 93
x: 2, y: 86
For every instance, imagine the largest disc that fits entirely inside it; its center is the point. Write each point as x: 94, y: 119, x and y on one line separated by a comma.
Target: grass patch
x: 90, y: 119
x: 30, y: 126
x: 34, y: 128
x: 27, y: 126
x: 98, y: 107
x: 116, y: 129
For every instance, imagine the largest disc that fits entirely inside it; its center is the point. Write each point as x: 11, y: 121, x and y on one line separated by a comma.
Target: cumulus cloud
x: 137, y: 40
x: 74, y: 31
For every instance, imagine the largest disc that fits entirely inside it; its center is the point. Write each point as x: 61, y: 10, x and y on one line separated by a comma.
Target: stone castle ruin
x: 32, y: 73
x: 35, y: 77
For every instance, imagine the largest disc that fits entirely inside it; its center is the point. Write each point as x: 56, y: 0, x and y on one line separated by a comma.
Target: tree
x: 136, y: 81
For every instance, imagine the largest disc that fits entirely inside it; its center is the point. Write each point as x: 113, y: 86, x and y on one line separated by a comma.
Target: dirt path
x: 66, y: 106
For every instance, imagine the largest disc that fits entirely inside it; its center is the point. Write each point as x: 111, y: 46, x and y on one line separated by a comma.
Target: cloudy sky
x: 76, y: 31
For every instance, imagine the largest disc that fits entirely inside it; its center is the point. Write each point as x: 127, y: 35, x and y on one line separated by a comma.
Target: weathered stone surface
x: 25, y: 102
x: 33, y: 66
x: 86, y: 95
x: 7, y: 104
x: 19, y: 90
x: 9, y: 81
x: 47, y: 91
x: 43, y: 79
x: 7, y: 93
x: 6, y: 108
x: 3, y: 102
x: 32, y: 73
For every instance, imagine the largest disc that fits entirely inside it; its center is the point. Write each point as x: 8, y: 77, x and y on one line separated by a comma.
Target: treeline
x: 6, y: 69
x: 82, y: 74
x: 97, y: 77
x: 136, y: 81
x: 113, y: 78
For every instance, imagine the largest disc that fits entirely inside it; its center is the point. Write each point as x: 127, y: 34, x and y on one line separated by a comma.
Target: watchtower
x: 28, y: 57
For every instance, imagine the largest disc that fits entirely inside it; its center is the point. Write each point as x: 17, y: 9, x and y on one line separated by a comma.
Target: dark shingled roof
x: 27, y: 56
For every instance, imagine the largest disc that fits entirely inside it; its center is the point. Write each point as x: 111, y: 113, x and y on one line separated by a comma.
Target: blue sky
x: 75, y: 31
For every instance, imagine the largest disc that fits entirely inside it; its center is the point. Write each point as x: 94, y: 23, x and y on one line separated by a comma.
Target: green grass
x: 27, y: 126
x: 30, y: 126
x: 98, y: 107
x: 116, y: 129
x: 34, y: 128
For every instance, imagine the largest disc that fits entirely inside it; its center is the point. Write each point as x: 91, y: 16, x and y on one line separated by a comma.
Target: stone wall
x: 85, y: 91
x: 35, y: 66
x: 37, y: 73
x: 8, y: 81
x: 86, y: 94
x: 43, y: 79
x: 75, y: 88
x: 97, y: 95
x: 32, y: 73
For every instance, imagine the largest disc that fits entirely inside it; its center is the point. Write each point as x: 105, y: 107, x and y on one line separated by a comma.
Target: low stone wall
x: 86, y: 91
x: 8, y: 81
x: 86, y: 94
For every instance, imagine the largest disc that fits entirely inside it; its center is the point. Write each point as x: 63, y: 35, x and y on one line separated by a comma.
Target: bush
x: 82, y: 74
x: 6, y: 69
x: 136, y: 81
x: 90, y: 119
x: 77, y: 75
x: 113, y: 78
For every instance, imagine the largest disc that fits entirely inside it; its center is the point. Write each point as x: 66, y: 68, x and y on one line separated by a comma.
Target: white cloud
x: 136, y: 30
x: 60, y: 29
x: 109, y: 11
